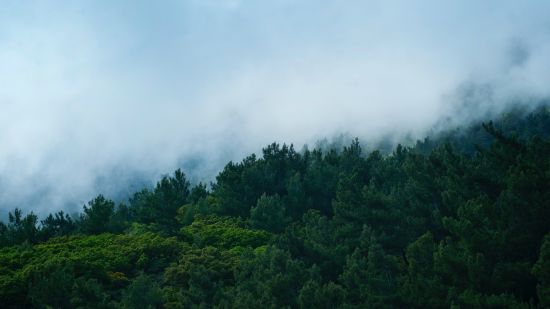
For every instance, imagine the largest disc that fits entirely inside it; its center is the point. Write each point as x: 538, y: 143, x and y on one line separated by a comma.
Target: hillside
x: 461, y: 219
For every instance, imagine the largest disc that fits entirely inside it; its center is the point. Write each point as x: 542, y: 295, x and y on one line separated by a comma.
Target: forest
x: 460, y: 219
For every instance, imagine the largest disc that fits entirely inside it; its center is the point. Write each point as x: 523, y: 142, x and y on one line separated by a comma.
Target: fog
x: 106, y: 96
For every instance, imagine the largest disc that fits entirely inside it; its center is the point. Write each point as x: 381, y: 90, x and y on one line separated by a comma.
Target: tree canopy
x: 460, y: 220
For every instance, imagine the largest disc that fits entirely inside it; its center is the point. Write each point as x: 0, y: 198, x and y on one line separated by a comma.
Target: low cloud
x: 105, y: 97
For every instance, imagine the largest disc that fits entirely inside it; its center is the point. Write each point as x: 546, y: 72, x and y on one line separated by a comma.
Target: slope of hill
x: 459, y: 220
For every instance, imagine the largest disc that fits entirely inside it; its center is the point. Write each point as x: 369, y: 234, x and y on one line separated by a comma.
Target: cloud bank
x: 102, y: 96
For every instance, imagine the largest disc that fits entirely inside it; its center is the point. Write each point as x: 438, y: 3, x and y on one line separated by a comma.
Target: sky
x: 96, y: 95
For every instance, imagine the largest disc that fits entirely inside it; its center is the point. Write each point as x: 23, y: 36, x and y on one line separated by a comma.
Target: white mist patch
x: 102, y: 97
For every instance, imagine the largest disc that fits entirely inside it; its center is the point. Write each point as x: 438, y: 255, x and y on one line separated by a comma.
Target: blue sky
x: 91, y: 86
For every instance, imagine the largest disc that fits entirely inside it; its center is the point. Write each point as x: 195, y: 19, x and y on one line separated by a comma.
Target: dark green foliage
x: 142, y: 293
x: 460, y: 220
x: 269, y: 214
x: 89, y: 293
x: 197, y: 193
x: 51, y: 286
x: 160, y: 206
x: 21, y: 228
x: 542, y: 271
x: 97, y: 216
x: 313, y: 295
x: 59, y: 225
x: 55, y: 286
x: 239, y: 186
x: 201, y: 276
x: 421, y: 286
x: 269, y: 279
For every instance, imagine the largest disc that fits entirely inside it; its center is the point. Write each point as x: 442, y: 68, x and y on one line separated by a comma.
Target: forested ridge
x: 458, y: 220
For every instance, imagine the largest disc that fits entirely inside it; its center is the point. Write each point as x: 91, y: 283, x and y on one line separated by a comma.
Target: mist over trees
x: 459, y: 220
x: 105, y: 97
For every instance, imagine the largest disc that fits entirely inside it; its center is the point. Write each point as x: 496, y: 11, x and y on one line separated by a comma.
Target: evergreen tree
x: 97, y: 215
